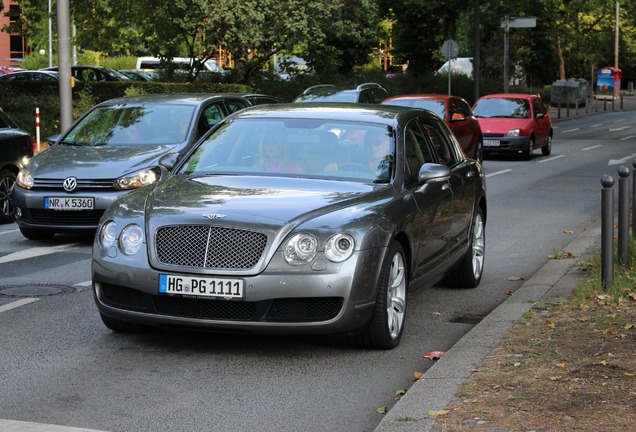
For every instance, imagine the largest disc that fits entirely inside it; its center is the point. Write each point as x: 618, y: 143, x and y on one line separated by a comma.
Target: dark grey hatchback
x: 296, y: 218
x: 112, y: 149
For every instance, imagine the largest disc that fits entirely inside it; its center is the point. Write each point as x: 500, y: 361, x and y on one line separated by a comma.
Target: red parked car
x: 514, y: 123
x: 455, y: 112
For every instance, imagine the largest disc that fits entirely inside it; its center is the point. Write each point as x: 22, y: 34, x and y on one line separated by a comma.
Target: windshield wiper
x: 70, y: 143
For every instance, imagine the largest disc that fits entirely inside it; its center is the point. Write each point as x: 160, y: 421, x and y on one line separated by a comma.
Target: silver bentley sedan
x: 296, y: 218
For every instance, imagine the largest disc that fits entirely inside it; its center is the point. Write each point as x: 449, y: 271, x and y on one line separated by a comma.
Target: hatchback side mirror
x: 458, y: 117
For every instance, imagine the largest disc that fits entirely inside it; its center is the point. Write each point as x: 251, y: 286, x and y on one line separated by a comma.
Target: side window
x: 365, y: 97
x: 441, y: 145
x: 234, y: 105
x: 3, y: 124
x: 211, y: 116
x: 416, y: 152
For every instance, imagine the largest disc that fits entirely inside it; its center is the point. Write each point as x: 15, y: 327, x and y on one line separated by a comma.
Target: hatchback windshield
x: 438, y: 107
x: 502, y: 107
x: 132, y: 125
x: 318, y: 148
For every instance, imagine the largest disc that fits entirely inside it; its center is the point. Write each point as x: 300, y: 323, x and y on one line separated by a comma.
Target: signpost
x: 507, y: 23
x: 450, y: 49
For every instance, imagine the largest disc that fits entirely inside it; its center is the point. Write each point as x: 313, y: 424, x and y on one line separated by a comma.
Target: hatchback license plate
x: 65, y: 203
x: 492, y: 143
x: 201, y: 287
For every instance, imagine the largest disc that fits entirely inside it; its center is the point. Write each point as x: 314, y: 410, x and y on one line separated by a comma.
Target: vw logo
x: 70, y: 183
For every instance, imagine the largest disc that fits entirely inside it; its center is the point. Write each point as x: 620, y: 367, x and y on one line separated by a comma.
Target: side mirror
x: 53, y: 139
x: 431, y: 173
x: 168, y: 161
x: 539, y: 116
x: 458, y: 117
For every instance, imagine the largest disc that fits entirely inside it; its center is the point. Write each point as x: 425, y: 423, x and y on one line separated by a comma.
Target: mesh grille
x: 83, y: 185
x: 209, y: 247
x: 279, y: 310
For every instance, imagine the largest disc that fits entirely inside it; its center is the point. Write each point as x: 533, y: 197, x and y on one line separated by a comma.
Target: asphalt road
x: 60, y: 366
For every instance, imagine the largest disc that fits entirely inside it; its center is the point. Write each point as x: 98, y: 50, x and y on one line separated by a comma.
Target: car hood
x: 95, y: 162
x: 267, y: 202
x: 491, y: 125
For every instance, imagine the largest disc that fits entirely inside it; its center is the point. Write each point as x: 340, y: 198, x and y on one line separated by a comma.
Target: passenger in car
x: 274, y: 155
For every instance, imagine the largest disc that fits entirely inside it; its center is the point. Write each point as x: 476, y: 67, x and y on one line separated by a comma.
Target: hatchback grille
x: 209, y: 247
x: 312, y: 309
x: 57, y: 217
x: 83, y: 185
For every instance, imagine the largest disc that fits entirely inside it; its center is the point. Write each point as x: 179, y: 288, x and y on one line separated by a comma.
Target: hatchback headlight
x: 108, y: 234
x: 24, y: 179
x: 514, y: 132
x: 301, y: 249
x: 339, y: 247
x: 131, y: 239
x: 138, y: 179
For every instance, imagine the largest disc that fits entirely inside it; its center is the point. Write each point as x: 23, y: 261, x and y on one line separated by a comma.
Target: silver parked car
x: 112, y: 149
x: 296, y: 218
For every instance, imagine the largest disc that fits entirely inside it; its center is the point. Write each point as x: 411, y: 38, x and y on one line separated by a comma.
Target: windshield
x: 132, y: 125
x: 502, y: 108
x: 314, y: 148
x: 438, y: 107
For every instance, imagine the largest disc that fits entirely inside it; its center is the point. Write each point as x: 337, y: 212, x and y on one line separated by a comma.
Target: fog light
x: 17, y: 212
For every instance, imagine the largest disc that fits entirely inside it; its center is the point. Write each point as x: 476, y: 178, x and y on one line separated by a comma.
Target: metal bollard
x: 634, y: 199
x: 607, y: 231
x: 623, y: 215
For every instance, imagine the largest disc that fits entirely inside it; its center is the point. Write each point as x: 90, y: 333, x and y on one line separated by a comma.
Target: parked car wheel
x: 547, y: 149
x: 32, y: 234
x: 527, y: 154
x: 119, y: 325
x: 7, y: 182
x: 468, y: 272
x: 385, y: 329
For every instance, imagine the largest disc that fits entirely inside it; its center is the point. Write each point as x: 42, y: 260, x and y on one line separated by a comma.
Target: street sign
x: 450, y: 49
x: 515, y: 22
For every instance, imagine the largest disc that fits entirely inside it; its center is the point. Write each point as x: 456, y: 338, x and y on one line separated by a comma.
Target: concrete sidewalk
x: 555, y: 281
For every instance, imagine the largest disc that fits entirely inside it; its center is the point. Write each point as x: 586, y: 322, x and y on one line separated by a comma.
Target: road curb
x: 555, y: 281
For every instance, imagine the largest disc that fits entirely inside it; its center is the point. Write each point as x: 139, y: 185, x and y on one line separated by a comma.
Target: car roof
x: 176, y: 98
x: 347, y: 111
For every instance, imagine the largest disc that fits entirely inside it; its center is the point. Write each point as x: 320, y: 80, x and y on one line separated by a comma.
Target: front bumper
x: 506, y: 144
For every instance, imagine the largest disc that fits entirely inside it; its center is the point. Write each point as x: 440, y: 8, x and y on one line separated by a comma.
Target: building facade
x: 13, y: 47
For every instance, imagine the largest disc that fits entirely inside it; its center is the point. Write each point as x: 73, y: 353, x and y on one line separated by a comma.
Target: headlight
x: 514, y: 132
x: 339, y: 247
x: 131, y: 239
x: 301, y: 249
x: 24, y: 180
x: 137, y: 179
x: 108, y: 234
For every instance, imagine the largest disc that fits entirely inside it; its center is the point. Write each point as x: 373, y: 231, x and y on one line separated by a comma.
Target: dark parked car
x: 110, y: 150
x: 296, y: 218
x: 457, y: 114
x: 514, y: 123
x: 93, y: 73
x: 139, y: 75
x: 364, y: 93
x: 31, y: 75
x: 15, y: 147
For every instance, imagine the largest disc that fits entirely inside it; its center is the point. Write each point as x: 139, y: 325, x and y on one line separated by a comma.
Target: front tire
x: 385, y: 329
x: 527, y: 153
x: 479, y: 151
x: 7, y: 183
x: 467, y: 273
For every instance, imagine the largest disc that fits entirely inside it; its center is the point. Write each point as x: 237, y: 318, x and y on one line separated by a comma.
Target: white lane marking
x: 10, y: 231
x: 627, y: 137
x: 590, y: 148
x: 498, y: 172
x: 596, y: 125
x: 619, y: 129
x: 17, y: 303
x: 552, y: 158
x: 619, y: 120
x: 570, y: 130
x: 85, y: 283
x: 35, y: 252
x: 15, y: 425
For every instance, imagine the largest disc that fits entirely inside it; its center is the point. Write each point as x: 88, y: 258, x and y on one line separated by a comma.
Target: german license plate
x: 201, y: 287
x: 65, y: 203
x: 491, y: 143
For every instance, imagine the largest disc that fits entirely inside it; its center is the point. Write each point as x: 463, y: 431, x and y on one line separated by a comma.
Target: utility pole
x: 616, y: 35
x: 476, y: 45
x: 64, y: 64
